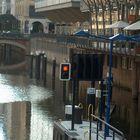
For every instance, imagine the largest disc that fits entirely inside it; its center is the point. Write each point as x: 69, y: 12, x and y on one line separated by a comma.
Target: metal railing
x: 113, y: 133
x: 80, y: 42
x: 98, y: 44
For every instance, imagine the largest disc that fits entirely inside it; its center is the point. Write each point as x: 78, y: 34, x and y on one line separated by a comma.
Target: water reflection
x: 127, y: 113
x: 27, y: 110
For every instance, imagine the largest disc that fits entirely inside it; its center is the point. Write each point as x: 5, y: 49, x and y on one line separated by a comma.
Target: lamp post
x: 109, y: 89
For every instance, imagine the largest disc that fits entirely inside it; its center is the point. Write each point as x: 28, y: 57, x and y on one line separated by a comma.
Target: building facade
x: 24, y: 11
x: 106, y: 12
x: 65, y: 14
x: 93, y: 15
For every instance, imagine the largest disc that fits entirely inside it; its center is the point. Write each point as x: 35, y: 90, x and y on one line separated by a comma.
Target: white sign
x: 98, y: 93
x: 90, y: 90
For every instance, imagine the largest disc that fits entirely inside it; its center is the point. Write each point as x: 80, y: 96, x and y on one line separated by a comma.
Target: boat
x: 92, y: 129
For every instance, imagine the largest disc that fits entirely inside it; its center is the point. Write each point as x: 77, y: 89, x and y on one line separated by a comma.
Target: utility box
x: 77, y: 115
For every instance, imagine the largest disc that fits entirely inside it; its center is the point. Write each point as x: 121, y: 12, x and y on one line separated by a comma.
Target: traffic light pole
x: 73, y: 104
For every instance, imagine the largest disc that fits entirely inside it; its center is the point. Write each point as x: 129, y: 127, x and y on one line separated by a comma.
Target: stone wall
x: 51, y: 48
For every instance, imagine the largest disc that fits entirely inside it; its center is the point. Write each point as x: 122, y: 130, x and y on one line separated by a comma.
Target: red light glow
x: 66, y: 68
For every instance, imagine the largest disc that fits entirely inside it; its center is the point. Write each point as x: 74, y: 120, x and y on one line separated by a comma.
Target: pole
x: 100, y: 104
x: 31, y: 64
x: 44, y: 69
x: 109, y: 90
x: 73, y: 104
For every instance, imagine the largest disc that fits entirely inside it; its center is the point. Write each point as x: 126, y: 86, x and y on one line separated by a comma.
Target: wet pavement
x: 27, y: 109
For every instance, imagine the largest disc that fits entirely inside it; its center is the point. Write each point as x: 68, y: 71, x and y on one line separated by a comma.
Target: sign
x: 98, y: 93
x: 91, y: 91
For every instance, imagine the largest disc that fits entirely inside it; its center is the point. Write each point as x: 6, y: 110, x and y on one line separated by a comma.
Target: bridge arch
x: 21, y: 44
x: 15, y: 43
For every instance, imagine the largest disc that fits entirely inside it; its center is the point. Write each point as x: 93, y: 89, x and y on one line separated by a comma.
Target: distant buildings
x: 65, y: 14
x: 92, y: 15
x: 24, y: 11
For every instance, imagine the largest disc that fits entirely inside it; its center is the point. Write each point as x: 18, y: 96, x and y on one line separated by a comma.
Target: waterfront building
x: 65, y: 14
x: 87, y: 14
x: 24, y: 11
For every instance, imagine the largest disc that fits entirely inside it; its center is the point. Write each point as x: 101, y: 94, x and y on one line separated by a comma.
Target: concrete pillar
x: 44, y: 69
x: 53, y: 68
x: 53, y: 72
x: 31, y: 65
x: 37, y: 67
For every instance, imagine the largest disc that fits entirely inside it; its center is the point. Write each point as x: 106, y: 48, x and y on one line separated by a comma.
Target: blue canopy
x: 82, y: 34
x: 121, y: 37
x: 136, y: 37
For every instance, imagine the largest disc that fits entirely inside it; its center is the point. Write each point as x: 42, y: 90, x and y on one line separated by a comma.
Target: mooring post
x: 44, y: 69
x: 37, y: 69
x: 53, y: 72
x: 31, y: 64
x: 53, y: 68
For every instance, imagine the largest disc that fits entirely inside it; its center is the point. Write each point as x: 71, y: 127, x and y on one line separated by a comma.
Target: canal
x: 27, y: 109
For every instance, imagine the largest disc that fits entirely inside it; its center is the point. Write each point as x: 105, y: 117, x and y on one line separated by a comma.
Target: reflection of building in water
x: 16, y: 120
x: 5, y: 6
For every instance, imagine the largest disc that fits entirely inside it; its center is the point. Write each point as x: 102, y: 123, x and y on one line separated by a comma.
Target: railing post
x: 113, y: 135
x: 90, y: 126
x: 109, y: 127
x: 97, y: 130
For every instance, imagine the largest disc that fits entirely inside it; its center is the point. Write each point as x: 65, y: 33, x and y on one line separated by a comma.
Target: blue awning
x: 136, y: 37
x: 121, y: 37
x: 82, y: 33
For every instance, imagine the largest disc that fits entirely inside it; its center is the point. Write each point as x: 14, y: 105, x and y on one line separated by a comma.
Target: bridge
x: 21, y: 42
x: 14, y: 46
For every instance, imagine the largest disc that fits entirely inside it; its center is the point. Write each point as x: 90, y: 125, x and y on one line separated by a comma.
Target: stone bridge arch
x: 22, y: 44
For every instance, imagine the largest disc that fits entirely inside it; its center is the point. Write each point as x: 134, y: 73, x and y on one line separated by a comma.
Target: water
x: 27, y: 109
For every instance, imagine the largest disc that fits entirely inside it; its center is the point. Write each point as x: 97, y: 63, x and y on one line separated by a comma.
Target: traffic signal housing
x: 65, y: 71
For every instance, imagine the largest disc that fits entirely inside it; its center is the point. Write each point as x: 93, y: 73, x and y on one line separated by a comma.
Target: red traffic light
x: 65, y: 71
x: 65, y: 68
